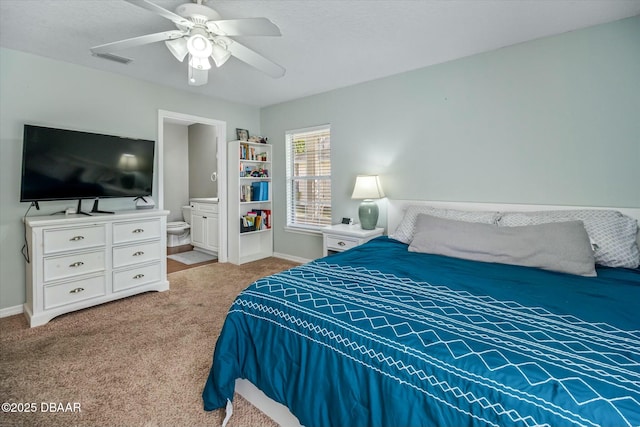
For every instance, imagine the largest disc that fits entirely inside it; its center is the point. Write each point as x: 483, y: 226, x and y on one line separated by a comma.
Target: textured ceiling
x: 325, y: 44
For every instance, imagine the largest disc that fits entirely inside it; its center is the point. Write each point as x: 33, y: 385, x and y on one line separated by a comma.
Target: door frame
x: 220, y: 126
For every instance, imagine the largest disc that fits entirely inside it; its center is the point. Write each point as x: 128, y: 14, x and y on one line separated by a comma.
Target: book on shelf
x: 248, y: 152
x: 257, y: 191
x: 245, y: 152
x: 246, y: 224
x: 260, y: 191
x: 256, y: 220
x: 246, y: 193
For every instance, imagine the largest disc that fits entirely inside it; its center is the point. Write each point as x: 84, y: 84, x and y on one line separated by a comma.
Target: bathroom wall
x: 176, y: 161
x: 189, y: 160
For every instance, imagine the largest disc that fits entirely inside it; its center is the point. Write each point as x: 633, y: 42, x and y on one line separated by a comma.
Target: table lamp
x: 368, y: 188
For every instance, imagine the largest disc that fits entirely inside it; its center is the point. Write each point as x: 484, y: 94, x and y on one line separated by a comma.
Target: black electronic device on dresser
x: 63, y: 164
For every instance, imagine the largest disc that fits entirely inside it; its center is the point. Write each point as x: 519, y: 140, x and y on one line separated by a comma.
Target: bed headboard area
x: 396, y: 209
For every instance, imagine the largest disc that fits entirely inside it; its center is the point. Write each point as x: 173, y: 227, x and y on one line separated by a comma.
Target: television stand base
x: 95, y: 209
x: 78, y: 210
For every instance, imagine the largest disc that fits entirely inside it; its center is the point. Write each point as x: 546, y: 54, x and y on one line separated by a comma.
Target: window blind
x: 309, y: 177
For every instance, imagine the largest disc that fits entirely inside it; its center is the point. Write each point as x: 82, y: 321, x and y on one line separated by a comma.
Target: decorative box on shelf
x: 256, y: 220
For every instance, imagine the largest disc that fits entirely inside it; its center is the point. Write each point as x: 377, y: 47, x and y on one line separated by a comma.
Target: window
x: 309, y: 177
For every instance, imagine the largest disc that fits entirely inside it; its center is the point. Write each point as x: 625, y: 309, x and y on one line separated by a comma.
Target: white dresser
x: 78, y: 261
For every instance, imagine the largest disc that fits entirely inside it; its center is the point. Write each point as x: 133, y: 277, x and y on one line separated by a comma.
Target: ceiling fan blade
x: 244, y: 27
x: 137, y: 41
x: 198, y: 77
x: 177, y: 19
x: 253, y: 58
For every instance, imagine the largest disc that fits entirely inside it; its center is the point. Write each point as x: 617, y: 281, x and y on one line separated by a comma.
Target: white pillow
x: 406, y: 229
x: 612, y: 233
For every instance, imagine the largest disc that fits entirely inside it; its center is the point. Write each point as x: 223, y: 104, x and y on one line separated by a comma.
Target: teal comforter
x: 379, y: 336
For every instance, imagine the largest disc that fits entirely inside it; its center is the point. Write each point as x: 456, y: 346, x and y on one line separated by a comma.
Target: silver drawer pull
x: 341, y: 243
x: 138, y: 230
x: 138, y: 253
x: 76, y: 238
x: 76, y: 264
x: 76, y: 290
x: 138, y: 276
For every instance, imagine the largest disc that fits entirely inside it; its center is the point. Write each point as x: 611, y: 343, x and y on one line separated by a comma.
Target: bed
x: 383, y: 335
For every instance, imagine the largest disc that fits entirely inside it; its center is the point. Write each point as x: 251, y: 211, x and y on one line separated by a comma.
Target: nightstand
x: 340, y: 237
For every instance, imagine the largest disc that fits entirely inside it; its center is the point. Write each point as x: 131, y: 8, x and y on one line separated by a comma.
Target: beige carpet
x: 141, y: 361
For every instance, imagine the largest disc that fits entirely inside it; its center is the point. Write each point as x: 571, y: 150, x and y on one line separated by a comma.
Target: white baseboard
x: 11, y: 311
x: 292, y: 258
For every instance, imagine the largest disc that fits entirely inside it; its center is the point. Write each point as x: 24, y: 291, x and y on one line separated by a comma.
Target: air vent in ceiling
x: 112, y: 57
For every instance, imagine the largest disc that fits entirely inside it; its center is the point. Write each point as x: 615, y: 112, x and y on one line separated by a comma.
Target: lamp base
x: 368, y: 214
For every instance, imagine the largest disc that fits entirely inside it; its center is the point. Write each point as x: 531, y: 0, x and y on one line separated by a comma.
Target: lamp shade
x: 367, y: 187
x: 220, y: 55
x: 178, y: 47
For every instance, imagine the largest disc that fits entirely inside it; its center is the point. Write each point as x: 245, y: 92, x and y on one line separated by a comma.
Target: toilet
x: 178, y: 232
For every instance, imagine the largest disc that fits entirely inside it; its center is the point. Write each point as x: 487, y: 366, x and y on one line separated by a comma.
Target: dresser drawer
x: 136, y: 254
x: 138, y: 276
x: 136, y: 230
x: 341, y: 243
x: 60, y: 267
x: 67, y: 239
x: 72, y: 292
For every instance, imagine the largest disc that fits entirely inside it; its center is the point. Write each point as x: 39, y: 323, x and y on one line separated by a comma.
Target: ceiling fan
x: 202, y: 34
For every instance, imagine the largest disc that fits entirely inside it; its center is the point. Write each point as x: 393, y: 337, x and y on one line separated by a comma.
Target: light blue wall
x: 552, y: 121
x: 41, y: 91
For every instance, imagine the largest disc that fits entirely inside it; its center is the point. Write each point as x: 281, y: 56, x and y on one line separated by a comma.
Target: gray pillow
x: 406, y: 228
x: 557, y: 246
x: 612, y: 233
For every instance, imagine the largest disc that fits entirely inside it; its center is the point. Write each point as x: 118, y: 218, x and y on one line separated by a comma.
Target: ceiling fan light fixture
x: 201, y: 33
x: 199, y: 46
x: 178, y: 48
x: 220, y: 55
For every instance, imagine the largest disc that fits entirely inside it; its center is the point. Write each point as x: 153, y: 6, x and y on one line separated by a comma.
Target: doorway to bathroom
x: 192, y: 166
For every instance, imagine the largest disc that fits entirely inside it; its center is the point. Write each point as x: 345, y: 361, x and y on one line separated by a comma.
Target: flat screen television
x: 63, y: 164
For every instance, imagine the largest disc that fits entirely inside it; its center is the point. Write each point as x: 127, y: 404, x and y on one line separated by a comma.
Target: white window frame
x: 291, y: 178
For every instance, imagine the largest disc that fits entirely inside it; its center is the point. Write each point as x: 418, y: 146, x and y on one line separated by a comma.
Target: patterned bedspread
x: 379, y: 336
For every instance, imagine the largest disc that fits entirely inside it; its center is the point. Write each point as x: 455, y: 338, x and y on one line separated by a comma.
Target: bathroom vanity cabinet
x: 204, y: 226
